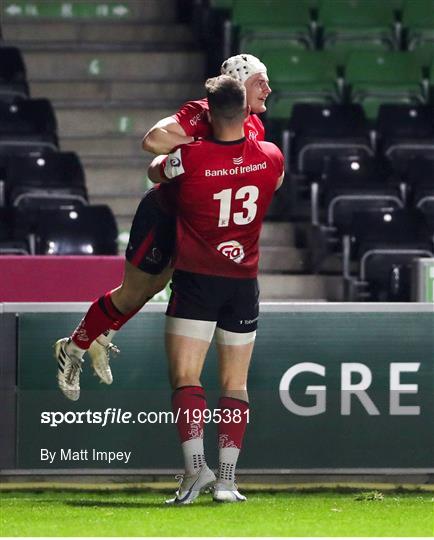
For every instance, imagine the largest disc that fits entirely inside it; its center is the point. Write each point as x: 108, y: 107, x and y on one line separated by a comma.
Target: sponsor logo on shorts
x: 155, y: 256
x: 249, y: 321
x: 232, y: 250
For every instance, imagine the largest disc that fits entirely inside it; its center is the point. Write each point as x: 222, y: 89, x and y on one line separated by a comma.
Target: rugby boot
x: 191, y: 486
x: 99, y: 353
x: 69, y: 367
x: 227, y: 492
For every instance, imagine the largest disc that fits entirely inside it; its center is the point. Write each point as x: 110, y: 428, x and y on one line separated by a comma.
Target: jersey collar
x: 228, y: 143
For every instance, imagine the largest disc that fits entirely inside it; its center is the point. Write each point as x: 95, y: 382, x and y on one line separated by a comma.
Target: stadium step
x: 125, y: 66
x: 282, y: 259
x: 277, y: 234
x: 88, y: 34
x: 123, y: 147
x: 103, y: 91
x: 301, y: 287
x: 122, y: 203
x: 101, y: 122
x: 56, y: 10
x: 102, y: 180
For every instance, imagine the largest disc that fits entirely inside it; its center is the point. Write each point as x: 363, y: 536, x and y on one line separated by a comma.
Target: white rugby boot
x: 225, y: 491
x: 191, y: 486
x: 69, y: 367
x: 99, y: 352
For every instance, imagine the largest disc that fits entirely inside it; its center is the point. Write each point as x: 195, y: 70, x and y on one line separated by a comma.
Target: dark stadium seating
x: 9, y: 245
x: 431, y: 80
x: 348, y: 185
x: 419, y: 177
x: 86, y: 230
x: 384, y: 245
x: 3, y: 162
x: 13, y: 82
x: 405, y: 133
x: 319, y: 132
x: 27, y: 126
x: 50, y: 180
x: 221, y: 4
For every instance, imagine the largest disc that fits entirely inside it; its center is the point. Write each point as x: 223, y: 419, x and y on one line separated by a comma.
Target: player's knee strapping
x: 225, y: 337
x: 191, y: 328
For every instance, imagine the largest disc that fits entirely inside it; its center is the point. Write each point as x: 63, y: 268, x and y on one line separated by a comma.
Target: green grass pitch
x: 72, y: 513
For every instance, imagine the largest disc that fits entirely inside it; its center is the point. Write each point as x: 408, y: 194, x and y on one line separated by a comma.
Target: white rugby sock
x: 228, y: 458
x: 194, y: 456
x: 72, y: 348
x: 107, y: 337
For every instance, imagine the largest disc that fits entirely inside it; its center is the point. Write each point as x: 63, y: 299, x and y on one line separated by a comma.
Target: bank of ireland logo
x: 237, y: 160
x: 232, y: 250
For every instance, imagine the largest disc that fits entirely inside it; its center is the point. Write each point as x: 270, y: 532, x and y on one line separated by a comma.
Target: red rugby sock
x: 231, y: 436
x: 231, y: 433
x: 117, y: 325
x: 102, y: 315
x: 188, y: 404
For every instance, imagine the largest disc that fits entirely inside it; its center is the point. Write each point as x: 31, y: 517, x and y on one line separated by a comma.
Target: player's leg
x: 235, y: 337
x: 189, y: 329
x: 146, y: 272
x: 136, y: 289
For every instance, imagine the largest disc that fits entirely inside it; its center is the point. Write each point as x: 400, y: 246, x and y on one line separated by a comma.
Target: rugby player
x: 147, y: 267
x: 224, y: 186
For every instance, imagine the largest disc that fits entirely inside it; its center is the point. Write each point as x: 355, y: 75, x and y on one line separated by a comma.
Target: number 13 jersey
x: 223, y: 192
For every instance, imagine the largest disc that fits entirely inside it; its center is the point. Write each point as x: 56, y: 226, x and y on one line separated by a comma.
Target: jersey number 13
x: 249, y: 194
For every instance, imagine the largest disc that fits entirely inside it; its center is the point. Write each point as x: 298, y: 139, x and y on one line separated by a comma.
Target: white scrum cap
x: 242, y: 66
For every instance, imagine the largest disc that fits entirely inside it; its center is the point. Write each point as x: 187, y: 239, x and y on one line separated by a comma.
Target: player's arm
x: 164, y: 136
x: 166, y: 168
x: 156, y: 170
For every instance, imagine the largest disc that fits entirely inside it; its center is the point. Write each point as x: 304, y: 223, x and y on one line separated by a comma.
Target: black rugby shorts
x: 152, y: 237
x: 233, y: 303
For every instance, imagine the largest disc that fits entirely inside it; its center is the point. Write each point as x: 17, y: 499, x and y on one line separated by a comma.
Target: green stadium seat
x: 424, y: 53
x: 273, y: 18
x: 350, y: 25
x: 290, y: 69
x: 418, y: 20
x: 258, y: 46
x: 376, y: 78
x: 298, y: 77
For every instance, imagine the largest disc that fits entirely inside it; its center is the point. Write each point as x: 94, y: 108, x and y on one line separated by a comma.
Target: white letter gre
x: 318, y: 391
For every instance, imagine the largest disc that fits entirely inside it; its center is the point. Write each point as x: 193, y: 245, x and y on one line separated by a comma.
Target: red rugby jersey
x: 223, y: 192
x: 193, y: 119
